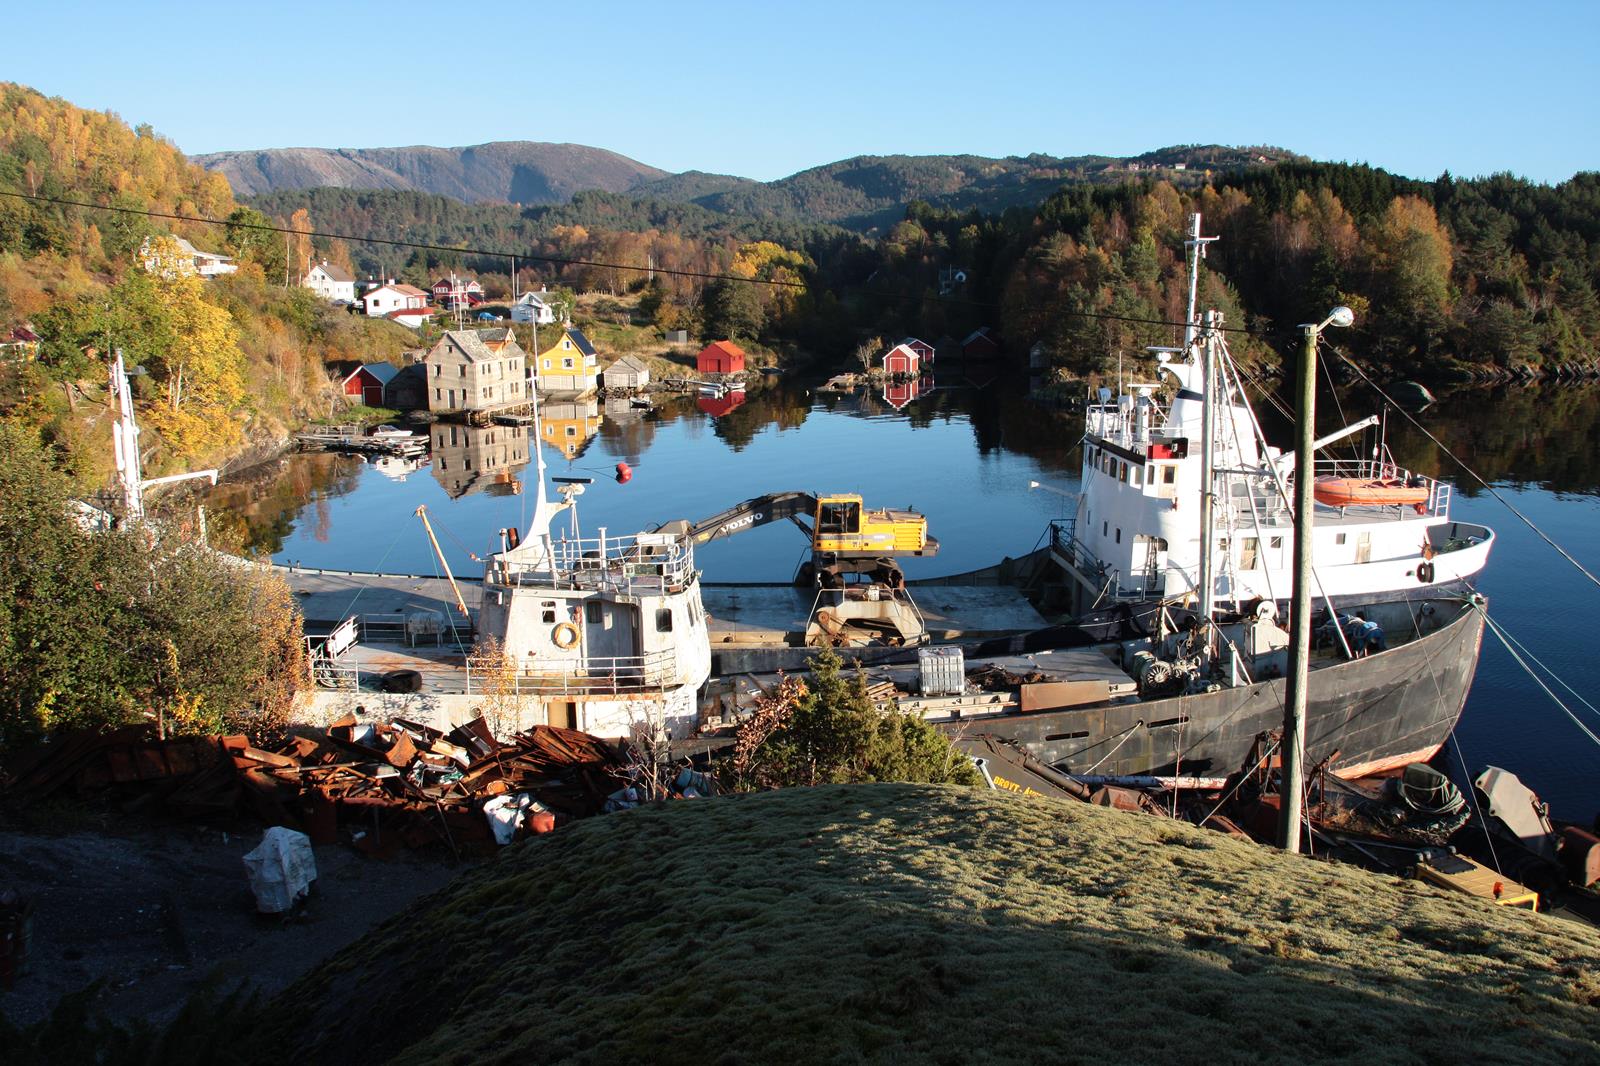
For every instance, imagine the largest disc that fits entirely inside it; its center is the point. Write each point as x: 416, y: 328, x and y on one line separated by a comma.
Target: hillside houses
x: 333, y: 283
x: 570, y: 365
x: 455, y: 294
x: 536, y: 307
x: 476, y: 372
x: 170, y: 257
x: 394, y: 296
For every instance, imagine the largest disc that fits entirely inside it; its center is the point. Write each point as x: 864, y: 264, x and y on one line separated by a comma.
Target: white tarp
x: 505, y: 814
x: 281, y: 870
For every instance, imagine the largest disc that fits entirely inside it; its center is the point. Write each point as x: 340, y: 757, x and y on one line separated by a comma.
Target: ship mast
x: 1197, y: 251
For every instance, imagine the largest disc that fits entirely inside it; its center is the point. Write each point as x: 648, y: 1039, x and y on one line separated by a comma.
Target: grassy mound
x: 928, y: 924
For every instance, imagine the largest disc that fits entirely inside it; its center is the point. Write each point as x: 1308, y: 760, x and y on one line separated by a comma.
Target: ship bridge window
x: 664, y: 620
x: 1138, y: 476
x: 1169, y: 475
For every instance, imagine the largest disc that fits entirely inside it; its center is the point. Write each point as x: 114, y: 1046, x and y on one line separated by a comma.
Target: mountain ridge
x: 864, y: 192
x: 526, y: 172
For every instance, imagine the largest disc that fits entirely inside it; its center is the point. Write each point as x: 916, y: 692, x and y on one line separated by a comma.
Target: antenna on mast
x: 1197, y: 244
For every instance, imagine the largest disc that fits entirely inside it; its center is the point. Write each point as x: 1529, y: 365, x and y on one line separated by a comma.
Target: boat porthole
x: 565, y: 635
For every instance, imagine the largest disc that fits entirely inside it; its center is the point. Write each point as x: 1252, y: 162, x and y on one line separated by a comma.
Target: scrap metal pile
x: 385, y: 786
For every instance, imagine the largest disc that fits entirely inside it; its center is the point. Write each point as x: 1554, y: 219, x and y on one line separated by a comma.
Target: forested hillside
x: 226, y: 361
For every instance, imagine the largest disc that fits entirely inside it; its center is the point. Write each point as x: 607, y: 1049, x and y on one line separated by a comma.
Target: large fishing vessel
x: 1179, y: 557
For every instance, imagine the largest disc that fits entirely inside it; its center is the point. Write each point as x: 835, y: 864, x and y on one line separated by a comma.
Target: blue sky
x: 766, y: 89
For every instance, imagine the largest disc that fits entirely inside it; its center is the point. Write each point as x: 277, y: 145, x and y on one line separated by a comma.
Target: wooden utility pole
x: 1292, y: 749
x: 1293, y: 746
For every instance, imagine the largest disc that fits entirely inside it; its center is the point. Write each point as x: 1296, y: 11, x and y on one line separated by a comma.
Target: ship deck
x: 738, y: 614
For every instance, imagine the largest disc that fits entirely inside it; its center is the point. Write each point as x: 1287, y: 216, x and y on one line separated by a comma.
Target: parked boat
x: 608, y: 632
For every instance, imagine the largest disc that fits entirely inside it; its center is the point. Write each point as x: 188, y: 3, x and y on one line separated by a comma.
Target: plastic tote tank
x: 943, y: 670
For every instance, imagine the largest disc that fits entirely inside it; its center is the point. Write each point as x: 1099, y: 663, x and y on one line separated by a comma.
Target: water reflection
x: 468, y: 459
x: 569, y: 425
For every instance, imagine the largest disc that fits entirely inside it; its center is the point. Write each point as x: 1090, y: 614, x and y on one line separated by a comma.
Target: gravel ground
x: 158, y: 912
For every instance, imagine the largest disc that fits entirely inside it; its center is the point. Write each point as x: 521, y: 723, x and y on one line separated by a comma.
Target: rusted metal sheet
x: 1055, y: 695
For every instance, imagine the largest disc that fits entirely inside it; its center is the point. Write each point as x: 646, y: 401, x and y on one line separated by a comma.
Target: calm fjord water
x: 964, y: 455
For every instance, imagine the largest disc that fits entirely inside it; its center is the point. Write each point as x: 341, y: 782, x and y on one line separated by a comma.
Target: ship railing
x: 331, y: 670
x: 1439, y: 492
x: 1108, y: 581
x: 589, y: 676
x: 644, y: 563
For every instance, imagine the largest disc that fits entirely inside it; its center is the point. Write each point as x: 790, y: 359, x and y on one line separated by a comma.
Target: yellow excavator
x: 847, y: 537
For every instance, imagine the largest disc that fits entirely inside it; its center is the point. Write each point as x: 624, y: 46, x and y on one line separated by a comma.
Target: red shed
x: 902, y: 361
x: 923, y: 349
x: 367, y: 383
x: 980, y: 344
x: 720, y: 357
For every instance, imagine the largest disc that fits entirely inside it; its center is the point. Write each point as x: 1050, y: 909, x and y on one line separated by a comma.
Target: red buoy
x: 541, y: 822
x: 624, y: 473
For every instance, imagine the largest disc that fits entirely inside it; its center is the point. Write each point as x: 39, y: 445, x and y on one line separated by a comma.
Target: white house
x: 383, y: 300
x: 536, y: 307
x: 179, y: 258
x: 331, y: 283
x: 411, y: 317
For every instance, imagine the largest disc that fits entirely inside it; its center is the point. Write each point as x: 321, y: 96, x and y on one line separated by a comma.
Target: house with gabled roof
x: 570, y: 365
x: 536, y: 307
x: 331, y: 282
x: 476, y: 371
x: 394, y: 296
x: 453, y: 293
x: 171, y: 256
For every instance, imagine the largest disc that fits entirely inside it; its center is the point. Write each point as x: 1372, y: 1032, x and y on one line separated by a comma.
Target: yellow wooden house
x: 570, y: 365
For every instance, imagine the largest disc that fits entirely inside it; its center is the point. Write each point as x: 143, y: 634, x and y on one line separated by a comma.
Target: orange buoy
x: 541, y: 822
x: 624, y: 473
x: 1368, y: 492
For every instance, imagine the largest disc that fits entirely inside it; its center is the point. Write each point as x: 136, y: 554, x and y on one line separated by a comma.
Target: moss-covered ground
x: 927, y: 924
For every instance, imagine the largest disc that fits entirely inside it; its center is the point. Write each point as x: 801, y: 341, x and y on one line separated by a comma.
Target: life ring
x: 565, y: 635
x: 1425, y: 573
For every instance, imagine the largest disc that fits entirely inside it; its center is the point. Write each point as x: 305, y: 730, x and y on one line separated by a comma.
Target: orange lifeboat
x: 1369, y: 492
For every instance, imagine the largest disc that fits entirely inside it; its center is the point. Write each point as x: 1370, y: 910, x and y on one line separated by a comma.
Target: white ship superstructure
x: 608, y: 631
x: 1137, y: 531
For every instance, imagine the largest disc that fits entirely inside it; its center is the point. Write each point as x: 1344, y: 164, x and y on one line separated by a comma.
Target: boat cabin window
x: 1119, y: 534
x: 1248, y: 553
x: 1138, y: 476
x: 594, y: 610
x: 1169, y: 475
x: 840, y: 518
x: 549, y: 611
x: 664, y: 620
x: 1275, y: 542
x: 1338, y: 538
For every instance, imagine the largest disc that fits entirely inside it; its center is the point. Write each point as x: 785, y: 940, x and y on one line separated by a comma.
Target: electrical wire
x: 1462, y: 464
x: 567, y: 262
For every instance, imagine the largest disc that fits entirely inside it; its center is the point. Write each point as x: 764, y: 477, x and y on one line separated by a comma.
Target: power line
x: 560, y: 261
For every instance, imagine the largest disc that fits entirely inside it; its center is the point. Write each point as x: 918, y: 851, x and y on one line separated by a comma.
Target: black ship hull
x: 1365, y: 715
